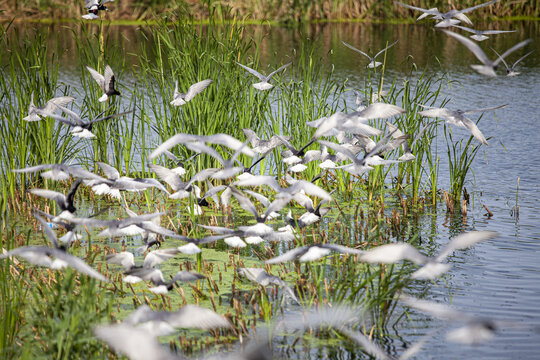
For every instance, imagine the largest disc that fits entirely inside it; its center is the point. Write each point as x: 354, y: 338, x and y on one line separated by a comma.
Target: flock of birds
x: 355, y: 152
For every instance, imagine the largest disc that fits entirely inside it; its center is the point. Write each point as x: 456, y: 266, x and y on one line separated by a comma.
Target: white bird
x: 60, y: 172
x: 264, y: 84
x: 372, y: 63
x: 480, y: 35
x: 42, y: 255
x: 180, y: 99
x: 220, y: 139
x: 80, y: 128
x: 488, y: 68
x: 35, y: 113
x: 260, y: 276
x: 432, y: 267
x: 160, y: 323
x: 510, y: 70
x: 106, y: 82
x: 447, y: 18
x: 312, y: 252
x: 476, y: 330
x: 458, y: 118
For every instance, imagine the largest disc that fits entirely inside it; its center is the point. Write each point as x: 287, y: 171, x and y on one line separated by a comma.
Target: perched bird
x: 80, y: 128
x: 432, y: 267
x: 106, y: 82
x: 372, y: 63
x: 488, y: 68
x: 510, y: 70
x: 35, y: 113
x: 42, y: 255
x: 447, y: 18
x: 480, y: 35
x: 458, y: 118
x: 264, y: 84
x: 180, y: 99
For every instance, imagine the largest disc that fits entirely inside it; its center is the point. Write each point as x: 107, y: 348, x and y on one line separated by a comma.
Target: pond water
x: 497, y: 279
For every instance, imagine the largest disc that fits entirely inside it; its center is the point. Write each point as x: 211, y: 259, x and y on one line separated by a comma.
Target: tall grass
x: 32, y: 69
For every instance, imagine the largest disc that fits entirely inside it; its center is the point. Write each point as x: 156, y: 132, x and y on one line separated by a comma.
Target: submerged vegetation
x: 45, y: 313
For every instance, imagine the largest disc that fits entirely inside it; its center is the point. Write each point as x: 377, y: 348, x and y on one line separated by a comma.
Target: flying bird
x: 180, y: 99
x: 264, y: 84
x: 106, y: 82
x: 35, y: 113
x: 458, y: 118
x: 372, y: 63
x: 488, y: 68
x: 480, y: 35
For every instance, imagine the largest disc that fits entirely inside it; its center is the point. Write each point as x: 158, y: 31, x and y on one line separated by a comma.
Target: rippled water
x: 499, y: 278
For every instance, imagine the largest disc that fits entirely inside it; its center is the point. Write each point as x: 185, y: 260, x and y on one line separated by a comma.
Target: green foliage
x: 62, y: 315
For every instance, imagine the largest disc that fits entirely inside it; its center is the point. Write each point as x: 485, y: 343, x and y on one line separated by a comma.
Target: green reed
x: 32, y: 69
x: 461, y: 154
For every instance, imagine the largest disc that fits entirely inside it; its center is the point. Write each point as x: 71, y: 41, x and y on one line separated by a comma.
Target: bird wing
x: 357, y: 50
x: 413, y: 7
x: 172, y: 141
x: 386, y: 48
x: 186, y: 276
x: 288, y: 256
x: 196, y: 89
x: 108, y: 79
x: 392, y: 253
x: 494, y: 32
x: 467, y: 29
x: 342, y: 249
x: 110, y: 117
x: 245, y: 203
x: 49, y: 194
x: 70, y: 113
x: 61, y: 101
x: 110, y: 172
x: 483, y: 109
x: 100, y: 79
x: 278, y: 70
x: 79, y: 265
x: 472, y: 46
x: 47, y: 230
x: 134, y: 342
x: 521, y: 58
x: 192, y: 316
x: 437, y: 113
x: 476, y: 7
x: 230, y: 142
x: 379, y: 111
x: 464, y: 241
x: 511, y: 50
x: 253, y: 72
x: 156, y: 257
x: 167, y: 175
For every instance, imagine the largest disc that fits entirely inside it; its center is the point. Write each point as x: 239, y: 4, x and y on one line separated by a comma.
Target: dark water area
x: 497, y: 279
